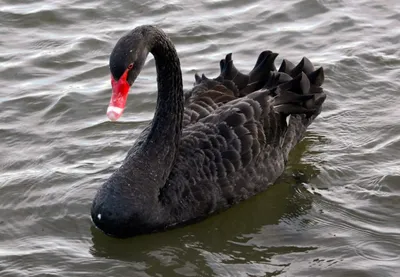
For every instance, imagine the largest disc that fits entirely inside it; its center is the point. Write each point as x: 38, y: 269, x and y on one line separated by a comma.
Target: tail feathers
x: 229, y: 72
x: 261, y: 57
x: 301, y: 79
x: 304, y: 65
x: 295, y: 97
x: 261, y: 72
x: 295, y: 88
x: 263, y: 68
x: 288, y: 97
x: 316, y: 77
x: 275, y: 79
x: 264, y: 65
x: 203, y: 83
x: 222, y: 65
x: 197, y: 79
x: 286, y: 67
x: 202, y: 79
x: 257, y: 77
x: 299, y: 85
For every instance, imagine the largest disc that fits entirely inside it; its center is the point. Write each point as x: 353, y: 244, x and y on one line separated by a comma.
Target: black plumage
x: 215, y: 145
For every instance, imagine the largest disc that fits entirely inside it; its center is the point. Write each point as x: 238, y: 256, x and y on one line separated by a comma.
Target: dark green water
x: 336, y: 210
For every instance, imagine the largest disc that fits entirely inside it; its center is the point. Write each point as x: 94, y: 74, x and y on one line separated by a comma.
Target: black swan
x: 208, y: 148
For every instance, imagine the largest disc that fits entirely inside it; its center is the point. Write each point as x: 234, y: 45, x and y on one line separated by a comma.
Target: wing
x: 209, y: 94
x: 212, y: 152
x: 235, y: 151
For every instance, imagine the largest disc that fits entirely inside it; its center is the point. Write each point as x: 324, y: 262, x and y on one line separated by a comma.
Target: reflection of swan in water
x: 227, y: 233
x: 220, y: 143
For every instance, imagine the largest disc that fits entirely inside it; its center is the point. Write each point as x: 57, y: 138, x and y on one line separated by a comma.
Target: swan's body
x: 220, y: 143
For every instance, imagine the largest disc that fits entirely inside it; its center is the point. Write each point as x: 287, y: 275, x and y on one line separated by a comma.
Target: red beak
x: 119, y: 96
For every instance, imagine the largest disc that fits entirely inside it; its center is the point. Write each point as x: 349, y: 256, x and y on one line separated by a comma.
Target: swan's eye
x: 130, y: 66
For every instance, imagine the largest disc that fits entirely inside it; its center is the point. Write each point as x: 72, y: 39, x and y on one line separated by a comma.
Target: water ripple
x: 335, y: 210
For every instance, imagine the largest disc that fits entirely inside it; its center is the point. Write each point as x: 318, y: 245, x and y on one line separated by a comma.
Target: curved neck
x: 167, y: 122
x: 160, y: 147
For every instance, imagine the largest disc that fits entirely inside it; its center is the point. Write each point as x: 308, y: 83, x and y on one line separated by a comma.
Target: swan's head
x: 126, y: 62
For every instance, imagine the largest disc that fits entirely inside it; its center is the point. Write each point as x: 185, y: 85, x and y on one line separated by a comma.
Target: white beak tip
x: 113, y: 113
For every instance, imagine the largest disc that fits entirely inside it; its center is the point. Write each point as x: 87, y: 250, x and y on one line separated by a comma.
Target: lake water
x: 334, y: 212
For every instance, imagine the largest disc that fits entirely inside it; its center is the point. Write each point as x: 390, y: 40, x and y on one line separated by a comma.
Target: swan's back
x: 238, y: 130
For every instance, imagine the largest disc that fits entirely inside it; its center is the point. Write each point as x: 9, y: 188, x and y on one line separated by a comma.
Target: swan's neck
x: 167, y: 122
x: 160, y: 147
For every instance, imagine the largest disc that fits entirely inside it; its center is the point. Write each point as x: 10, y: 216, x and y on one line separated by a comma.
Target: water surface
x: 335, y: 211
